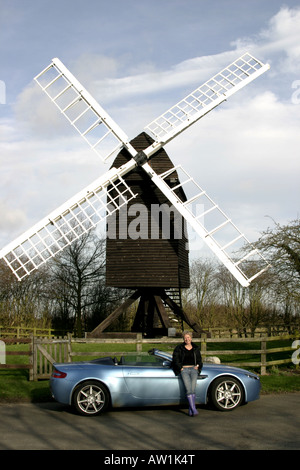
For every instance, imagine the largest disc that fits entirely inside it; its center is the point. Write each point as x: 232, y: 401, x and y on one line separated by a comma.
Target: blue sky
x: 138, y: 58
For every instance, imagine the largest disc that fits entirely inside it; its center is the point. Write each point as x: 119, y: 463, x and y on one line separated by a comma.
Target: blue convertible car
x: 92, y: 386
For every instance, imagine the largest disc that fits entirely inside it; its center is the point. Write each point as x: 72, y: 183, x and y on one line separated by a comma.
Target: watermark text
x: 296, y: 354
x: 2, y: 92
x: 2, y: 353
x: 296, y: 95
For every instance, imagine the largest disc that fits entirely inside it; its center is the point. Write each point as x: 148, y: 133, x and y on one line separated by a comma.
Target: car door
x: 152, y: 381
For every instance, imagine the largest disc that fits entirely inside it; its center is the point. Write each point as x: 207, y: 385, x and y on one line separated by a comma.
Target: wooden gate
x: 48, y: 351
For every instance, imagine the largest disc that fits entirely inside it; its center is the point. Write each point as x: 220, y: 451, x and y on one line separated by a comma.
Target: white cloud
x: 10, y: 217
x: 37, y: 116
x: 280, y: 41
x: 88, y: 67
x: 183, y: 75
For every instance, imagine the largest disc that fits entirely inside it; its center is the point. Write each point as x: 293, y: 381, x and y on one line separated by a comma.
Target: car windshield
x: 143, y: 361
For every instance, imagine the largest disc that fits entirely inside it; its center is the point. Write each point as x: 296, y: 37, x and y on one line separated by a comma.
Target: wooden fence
x: 258, y: 332
x: 219, y: 332
x: 25, y: 332
x: 28, y: 352
x: 44, y: 352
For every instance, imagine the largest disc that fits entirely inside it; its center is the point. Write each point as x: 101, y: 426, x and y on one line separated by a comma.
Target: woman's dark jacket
x: 178, y: 355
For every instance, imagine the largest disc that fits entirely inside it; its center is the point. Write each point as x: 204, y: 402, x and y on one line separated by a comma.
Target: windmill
x: 140, y: 162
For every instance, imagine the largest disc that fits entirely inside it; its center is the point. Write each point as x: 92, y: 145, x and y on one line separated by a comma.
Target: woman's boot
x: 192, y: 408
x: 195, y: 412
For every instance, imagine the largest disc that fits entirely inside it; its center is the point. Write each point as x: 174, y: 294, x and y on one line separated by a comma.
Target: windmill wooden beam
x: 151, y: 305
x: 114, y: 315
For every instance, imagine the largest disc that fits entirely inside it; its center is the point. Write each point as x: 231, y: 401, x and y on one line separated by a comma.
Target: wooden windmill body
x: 154, y: 259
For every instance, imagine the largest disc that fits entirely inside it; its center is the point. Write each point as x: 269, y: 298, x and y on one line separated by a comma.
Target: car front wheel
x: 91, y: 398
x: 227, y: 393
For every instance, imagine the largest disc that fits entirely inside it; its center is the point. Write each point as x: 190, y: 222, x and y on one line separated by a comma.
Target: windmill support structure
x: 151, y: 311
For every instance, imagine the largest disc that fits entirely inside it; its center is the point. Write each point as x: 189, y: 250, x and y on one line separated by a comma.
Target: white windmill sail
x: 92, y: 122
x: 205, y: 98
x: 109, y: 192
x: 69, y: 222
x: 212, y: 224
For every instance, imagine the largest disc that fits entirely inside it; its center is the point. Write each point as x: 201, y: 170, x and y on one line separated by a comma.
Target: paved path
x: 273, y: 422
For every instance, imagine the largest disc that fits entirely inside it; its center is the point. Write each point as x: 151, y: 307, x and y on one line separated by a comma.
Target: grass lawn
x: 15, y: 387
x: 285, y: 381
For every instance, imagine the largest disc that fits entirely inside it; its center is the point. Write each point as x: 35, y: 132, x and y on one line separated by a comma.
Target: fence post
x: 139, y: 345
x: 34, y: 359
x: 203, y: 345
x: 69, y: 358
x: 263, y: 368
x: 31, y: 359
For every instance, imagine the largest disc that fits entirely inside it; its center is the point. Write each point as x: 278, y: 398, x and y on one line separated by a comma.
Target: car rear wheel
x: 91, y: 398
x: 227, y: 393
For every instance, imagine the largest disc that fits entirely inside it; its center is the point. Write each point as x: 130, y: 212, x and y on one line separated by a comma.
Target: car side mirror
x: 167, y: 363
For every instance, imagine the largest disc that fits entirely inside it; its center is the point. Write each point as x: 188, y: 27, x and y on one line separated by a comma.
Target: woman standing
x: 187, y: 362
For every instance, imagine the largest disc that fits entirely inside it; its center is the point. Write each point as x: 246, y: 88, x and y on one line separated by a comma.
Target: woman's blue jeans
x: 189, y: 377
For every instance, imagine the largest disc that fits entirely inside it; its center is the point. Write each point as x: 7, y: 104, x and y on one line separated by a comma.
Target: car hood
x: 226, y: 369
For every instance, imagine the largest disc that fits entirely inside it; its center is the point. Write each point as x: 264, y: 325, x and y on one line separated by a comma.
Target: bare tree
x: 76, y: 273
x: 202, y: 297
x: 281, y: 244
x: 23, y: 302
x: 234, y: 300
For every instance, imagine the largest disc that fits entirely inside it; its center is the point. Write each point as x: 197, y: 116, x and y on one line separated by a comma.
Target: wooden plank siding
x: 145, y: 261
